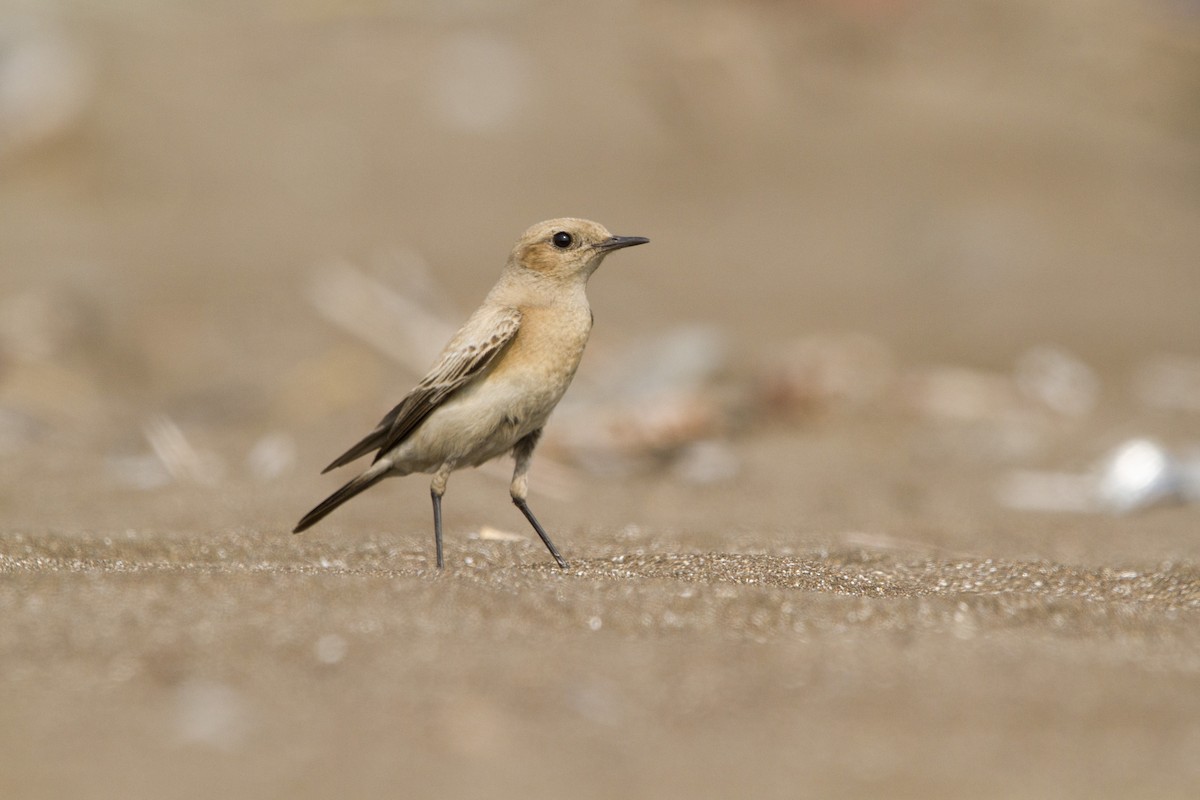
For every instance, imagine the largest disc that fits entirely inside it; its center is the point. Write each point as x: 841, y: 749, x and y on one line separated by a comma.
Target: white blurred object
x: 44, y: 85
x: 489, y: 534
x: 1139, y: 474
x: 331, y: 648
x: 272, y: 456
x: 178, y: 456
x: 399, y: 324
x: 211, y: 714
x: 1058, y: 380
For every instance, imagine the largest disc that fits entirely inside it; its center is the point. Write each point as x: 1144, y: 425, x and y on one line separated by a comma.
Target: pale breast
x: 542, y: 358
x: 512, y: 399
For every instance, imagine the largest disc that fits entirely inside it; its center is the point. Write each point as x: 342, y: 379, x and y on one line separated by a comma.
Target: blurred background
x: 923, y: 269
x: 198, y: 199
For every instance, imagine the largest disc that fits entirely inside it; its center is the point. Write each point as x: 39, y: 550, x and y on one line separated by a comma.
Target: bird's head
x: 567, y: 248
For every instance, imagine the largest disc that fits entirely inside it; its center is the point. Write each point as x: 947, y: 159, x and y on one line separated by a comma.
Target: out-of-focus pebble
x: 211, y: 714
x: 823, y: 372
x: 400, y: 324
x: 45, y: 84
x: 1057, y: 380
x: 1138, y: 474
x: 331, y: 648
x: 489, y: 534
x: 619, y: 438
x: 958, y: 393
x: 272, y: 456
x: 647, y: 407
x: 183, y: 461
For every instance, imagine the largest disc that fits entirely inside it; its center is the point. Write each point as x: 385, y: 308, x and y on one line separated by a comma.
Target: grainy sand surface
x: 241, y: 660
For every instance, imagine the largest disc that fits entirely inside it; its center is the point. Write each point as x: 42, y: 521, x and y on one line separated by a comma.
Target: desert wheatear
x: 496, y: 382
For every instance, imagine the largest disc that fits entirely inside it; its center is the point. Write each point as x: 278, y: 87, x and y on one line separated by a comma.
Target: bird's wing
x: 472, y: 349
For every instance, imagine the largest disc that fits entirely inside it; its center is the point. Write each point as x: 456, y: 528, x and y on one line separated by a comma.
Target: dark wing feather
x: 470, y: 352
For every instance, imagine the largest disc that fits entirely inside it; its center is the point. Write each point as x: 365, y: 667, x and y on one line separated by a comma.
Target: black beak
x: 617, y: 242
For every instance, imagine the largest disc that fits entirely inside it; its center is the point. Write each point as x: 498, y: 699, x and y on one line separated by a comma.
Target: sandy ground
x: 837, y: 600
x: 233, y: 667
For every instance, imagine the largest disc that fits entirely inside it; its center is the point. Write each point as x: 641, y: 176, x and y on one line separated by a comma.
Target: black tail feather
x: 359, y: 484
x: 370, y: 442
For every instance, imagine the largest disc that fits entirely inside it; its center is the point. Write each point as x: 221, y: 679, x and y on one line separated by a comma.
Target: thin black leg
x: 437, y: 525
x: 521, y: 504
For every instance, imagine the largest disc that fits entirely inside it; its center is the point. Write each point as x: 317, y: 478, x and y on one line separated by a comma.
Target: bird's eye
x: 562, y: 240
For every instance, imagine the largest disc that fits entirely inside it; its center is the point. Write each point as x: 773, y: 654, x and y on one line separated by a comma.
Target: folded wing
x: 481, y: 340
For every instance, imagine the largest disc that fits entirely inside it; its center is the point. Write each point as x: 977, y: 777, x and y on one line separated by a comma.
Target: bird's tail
x: 360, y: 484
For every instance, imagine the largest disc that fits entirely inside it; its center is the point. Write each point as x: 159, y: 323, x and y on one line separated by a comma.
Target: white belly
x: 484, y: 419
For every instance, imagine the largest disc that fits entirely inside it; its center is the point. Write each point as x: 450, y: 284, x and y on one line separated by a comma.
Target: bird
x: 492, y: 389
